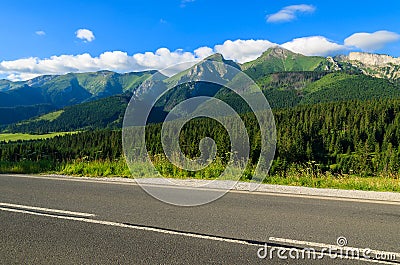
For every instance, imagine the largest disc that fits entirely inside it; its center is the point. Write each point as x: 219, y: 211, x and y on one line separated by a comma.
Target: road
x: 52, y: 220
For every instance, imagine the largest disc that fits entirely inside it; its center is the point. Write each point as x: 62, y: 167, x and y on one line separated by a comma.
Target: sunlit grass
x: 119, y: 168
x: 7, y: 137
x: 50, y: 116
x: 96, y: 169
x: 345, y: 182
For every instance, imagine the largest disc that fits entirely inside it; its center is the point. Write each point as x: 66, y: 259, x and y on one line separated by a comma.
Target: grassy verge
x: 28, y: 167
x: 120, y: 169
x: 96, y: 169
x: 344, y: 182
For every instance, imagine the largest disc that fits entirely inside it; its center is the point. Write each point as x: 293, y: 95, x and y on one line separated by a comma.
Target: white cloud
x: 85, y: 35
x: 21, y: 76
x: 40, y: 33
x: 163, y: 58
x: 118, y: 61
x: 122, y: 62
x: 371, y: 41
x: 243, y: 50
x: 315, y: 45
x: 238, y: 50
x: 184, y: 2
x: 203, y: 52
x: 289, y: 13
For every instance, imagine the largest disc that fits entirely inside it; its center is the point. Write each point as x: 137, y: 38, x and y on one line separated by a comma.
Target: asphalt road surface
x: 52, y: 220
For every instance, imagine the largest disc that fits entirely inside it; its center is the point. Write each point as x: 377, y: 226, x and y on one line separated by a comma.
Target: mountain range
x: 286, y: 78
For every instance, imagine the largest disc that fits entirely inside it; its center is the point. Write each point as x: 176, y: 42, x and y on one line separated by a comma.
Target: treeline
x: 352, y: 137
x: 345, y: 137
x: 89, y: 145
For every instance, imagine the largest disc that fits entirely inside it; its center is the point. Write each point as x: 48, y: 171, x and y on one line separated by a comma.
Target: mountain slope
x: 278, y: 59
x: 103, y: 113
x: 213, y: 68
x: 342, y: 86
x: 14, y: 114
x: 68, y: 89
x: 58, y: 91
x: 377, y: 65
x: 287, y: 79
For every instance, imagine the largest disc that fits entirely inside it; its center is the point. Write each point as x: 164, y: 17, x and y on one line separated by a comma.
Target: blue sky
x: 41, y: 37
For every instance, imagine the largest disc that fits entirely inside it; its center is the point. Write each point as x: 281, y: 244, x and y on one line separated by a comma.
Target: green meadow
x: 10, y: 137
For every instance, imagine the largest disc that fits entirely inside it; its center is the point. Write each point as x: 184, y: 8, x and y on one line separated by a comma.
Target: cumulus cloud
x: 40, y: 33
x: 243, y: 51
x: 118, y: 61
x: 85, y: 35
x: 315, y: 45
x: 21, y: 76
x: 371, y: 41
x: 240, y: 51
x: 289, y: 13
x: 162, y: 58
x: 203, y: 52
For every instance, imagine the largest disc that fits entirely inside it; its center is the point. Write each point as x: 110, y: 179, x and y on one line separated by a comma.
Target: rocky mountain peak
x: 371, y: 59
x: 277, y: 51
x: 216, y: 57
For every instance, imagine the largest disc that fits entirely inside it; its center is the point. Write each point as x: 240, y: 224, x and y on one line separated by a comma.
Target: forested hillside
x: 103, y: 113
x: 352, y: 137
x: 10, y: 115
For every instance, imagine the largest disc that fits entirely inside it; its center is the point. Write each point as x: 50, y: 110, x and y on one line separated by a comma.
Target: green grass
x: 95, y: 169
x: 28, y: 167
x: 294, y: 177
x: 343, y: 182
x: 327, y: 81
x: 7, y: 137
x: 50, y: 116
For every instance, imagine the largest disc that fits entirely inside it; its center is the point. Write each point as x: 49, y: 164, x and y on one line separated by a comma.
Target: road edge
x: 246, y: 187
